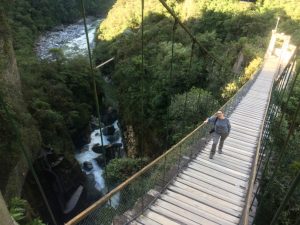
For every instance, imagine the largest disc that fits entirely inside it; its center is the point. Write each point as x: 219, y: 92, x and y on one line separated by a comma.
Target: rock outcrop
x: 13, y: 168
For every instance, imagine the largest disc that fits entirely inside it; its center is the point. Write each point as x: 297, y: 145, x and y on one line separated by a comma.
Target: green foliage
x: 225, y: 28
x: 118, y: 170
x: 18, y: 210
x: 36, y: 222
x: 61, y: 99
x: 231, y: 88
x: 185, y: 106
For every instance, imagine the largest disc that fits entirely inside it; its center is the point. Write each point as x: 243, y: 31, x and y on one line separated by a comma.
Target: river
x: 71, y: 39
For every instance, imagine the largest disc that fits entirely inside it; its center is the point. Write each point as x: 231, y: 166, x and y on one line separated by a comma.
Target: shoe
x: 220, y: 151
x: 211, y: 156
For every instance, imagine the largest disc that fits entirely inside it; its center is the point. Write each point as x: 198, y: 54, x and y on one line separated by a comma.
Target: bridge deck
x: 213, y: 191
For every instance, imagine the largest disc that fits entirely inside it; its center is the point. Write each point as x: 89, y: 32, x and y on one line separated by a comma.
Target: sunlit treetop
x: 126, y: 14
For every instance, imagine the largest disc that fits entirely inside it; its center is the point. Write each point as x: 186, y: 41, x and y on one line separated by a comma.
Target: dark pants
x: 216, y: 138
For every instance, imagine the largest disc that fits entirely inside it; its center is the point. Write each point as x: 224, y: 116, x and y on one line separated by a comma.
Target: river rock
x: 109, y: 130
x: 88, y: 166
x: 100, y: 160
x: 97, y: 148
x: 114, y: 137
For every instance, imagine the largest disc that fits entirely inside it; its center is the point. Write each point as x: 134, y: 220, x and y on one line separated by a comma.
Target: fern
x: 17, y: 208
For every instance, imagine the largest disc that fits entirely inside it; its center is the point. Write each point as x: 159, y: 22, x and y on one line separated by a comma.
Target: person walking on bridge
x: 221, y: 130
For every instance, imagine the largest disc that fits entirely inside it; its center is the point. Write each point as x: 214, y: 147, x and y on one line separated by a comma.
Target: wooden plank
x: 193, y: 209
x: 251, y: 108
x: 227, y: 150
x: 240, y: 128
x: 235, y: 134
x: 252, y: 97
x: 218, y: 183
x: 146, y: 221
x: 242, y: 142
x: 219, y: 205
x: 224, y: 163
x: 239, y: 151
x: 254, y: 105
x: 170, y: 214
x: 227, y: 192
x: 249, y: 115
x: 260, y: 99
x: 202, y: 207
x: 217, y: 172
x: 240, y: 146
x: 213, y: 192
x: 208, y: 197
x: 220, y: 168
x: 242, y: 121
x: 237, y: 130
x: 248, y: 125
x: 233, y: 158
x: 135, y: 223
x: 160, y: 218
x: 185, y: 215
x: 241, y: 118
x: 257, y: 101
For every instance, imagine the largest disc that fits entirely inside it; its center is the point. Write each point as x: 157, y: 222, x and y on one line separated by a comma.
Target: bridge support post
x: 271, y: 44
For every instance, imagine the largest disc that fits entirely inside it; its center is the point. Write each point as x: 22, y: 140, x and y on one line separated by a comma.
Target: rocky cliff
x: 13, y: 167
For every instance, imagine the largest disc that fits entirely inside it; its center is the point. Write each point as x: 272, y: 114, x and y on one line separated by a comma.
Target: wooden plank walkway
x: 212, y: 191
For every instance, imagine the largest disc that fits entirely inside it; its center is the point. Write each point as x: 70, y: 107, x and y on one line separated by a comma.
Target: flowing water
x: 71, y: 39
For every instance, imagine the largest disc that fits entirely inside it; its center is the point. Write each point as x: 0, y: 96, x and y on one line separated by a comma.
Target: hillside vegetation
x: 228, y: 29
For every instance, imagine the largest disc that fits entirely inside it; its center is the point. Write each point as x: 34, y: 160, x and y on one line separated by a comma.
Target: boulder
x: 88, y: 166
x: 97, y: 148
x: 109, y: 130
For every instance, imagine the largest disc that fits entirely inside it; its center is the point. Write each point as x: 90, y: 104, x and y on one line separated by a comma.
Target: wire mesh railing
x: 133, y: 196
x: 274, y: 121
x: 279, y: 85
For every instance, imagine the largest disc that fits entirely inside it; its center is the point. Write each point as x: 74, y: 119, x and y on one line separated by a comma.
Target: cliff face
x: 13, y: 167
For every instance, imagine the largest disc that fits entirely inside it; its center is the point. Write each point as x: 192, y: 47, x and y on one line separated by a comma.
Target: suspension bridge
x: 214, y: 191
x: 184, y: 186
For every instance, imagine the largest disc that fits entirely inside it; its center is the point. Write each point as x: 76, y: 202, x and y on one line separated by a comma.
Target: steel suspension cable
x: 26, y: 155
x: 143, y: 76
x: 143, y: 89
x: 186, y: 96
x: 168, y: 81
x: 173, y: 14
x: 94, y: 90
x: 188, y: 73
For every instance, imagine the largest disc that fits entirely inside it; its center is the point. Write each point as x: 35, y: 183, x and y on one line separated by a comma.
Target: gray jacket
x: 222, y: 125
